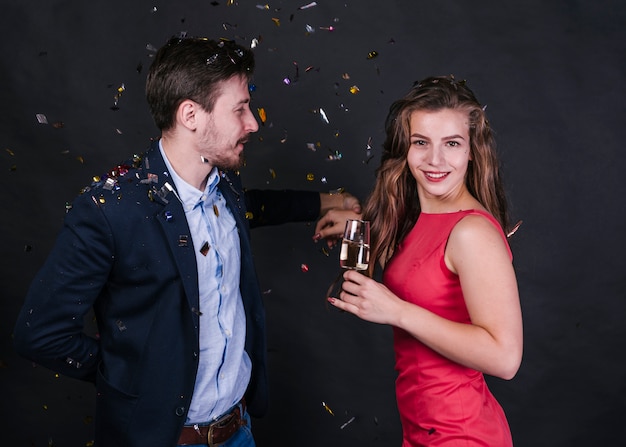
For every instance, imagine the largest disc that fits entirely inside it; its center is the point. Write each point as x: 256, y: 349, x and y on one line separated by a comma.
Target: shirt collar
x: 189, y: 195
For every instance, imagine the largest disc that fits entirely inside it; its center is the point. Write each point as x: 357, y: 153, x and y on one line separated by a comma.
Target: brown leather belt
x: 217, y: 432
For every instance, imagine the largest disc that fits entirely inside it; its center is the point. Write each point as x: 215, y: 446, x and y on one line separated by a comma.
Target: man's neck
x: 189, y: 166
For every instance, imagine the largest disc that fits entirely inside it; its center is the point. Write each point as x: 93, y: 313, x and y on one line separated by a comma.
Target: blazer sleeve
x: 49, y: 328
x: 273, y: 207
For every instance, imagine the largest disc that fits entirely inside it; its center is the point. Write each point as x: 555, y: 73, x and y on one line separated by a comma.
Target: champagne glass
x: 355, y: 246
x: 355, y: 252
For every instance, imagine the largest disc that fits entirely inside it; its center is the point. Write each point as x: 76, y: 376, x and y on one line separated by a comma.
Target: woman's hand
x: 368, y: 299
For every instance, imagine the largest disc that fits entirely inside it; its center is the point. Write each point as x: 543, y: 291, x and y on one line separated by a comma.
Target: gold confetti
x: 327, y: 408
x: 276, y: 21
x: 310, y: 176
x: 354, y: 90
x: 262, y: 115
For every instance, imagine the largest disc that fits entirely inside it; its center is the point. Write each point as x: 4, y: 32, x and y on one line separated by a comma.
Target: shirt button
x: 180, y: 411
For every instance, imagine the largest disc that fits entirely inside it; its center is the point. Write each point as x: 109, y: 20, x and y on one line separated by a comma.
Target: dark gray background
x: 552, y: 75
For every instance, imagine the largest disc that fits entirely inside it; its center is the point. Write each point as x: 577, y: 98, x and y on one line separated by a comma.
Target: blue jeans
x: 241, y: 438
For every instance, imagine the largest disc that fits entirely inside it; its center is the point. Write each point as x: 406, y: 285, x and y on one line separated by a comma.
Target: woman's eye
x: 453, y: 143
x: 419, y: 142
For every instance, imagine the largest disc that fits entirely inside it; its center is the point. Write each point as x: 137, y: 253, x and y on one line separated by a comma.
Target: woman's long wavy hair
x: 393, y: 206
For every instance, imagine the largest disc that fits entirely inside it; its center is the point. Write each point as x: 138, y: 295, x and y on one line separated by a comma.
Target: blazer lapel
x: 174, y: 223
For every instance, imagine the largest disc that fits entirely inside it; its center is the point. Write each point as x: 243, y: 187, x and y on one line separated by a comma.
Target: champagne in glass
x: 355, y: 247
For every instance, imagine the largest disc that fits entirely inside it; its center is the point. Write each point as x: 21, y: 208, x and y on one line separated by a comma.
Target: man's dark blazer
x: 125, y: 250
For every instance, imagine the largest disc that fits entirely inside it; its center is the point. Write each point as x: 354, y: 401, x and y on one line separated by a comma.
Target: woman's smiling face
x: 439, y: 153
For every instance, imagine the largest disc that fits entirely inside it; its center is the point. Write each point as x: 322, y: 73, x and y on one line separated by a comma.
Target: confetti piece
x: 205, y: 248
x: 262, y: 115
x: 309, y: 29
x: 514, y: 229
x: 327, y: 28
x: 273, y: 174
x: 345, y: 76
x: 10, y: 152
x: 41, y: 118
x: 310, y: 176
x: 327, y: 408
x: 336, y: 155
x: 311, y: 146
x: 308, y: 5
x: 263, y: 7
x: 354, y: 90
x: 304, y: 268
x: 276, y: 21
x: 348, y: 422
x: 323, y: 116
x: 372, y: 54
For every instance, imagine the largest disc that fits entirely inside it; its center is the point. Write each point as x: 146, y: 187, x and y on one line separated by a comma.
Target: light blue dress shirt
x: 224, y: 366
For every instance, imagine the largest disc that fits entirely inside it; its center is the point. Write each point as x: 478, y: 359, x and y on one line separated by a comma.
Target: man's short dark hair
x: 192, y: 68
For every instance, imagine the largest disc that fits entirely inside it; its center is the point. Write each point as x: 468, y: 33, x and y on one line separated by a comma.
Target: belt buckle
x: 220, y: 423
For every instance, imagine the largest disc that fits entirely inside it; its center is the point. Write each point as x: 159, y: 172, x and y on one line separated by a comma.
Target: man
x: 160, y: 249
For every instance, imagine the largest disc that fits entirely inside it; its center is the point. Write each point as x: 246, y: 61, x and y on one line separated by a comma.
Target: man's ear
x: 187, y: 114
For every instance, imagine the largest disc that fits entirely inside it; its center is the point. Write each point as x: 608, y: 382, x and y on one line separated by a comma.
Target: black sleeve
x: 273, y: 207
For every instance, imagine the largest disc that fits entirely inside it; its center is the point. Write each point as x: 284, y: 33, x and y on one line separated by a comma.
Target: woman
x: 438, y: 216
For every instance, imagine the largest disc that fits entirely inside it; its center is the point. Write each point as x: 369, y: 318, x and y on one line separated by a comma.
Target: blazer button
x: 180, y: 411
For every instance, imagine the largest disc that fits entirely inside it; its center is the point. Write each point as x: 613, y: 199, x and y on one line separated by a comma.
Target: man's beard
x: 232, y: 165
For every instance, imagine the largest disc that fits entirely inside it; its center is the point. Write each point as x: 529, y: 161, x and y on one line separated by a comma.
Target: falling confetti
x: 304, y: 268
x: 348, y: 422
x: 310, y: 176
x: 514, y: 229
x: 372, y: 54
x: 323, y: 116
x: 308, y: 5
x: 262, y: 115
x: 276, y: 21
x: 311, y: 146
x: 354, y: 90
x: 334, y: 156
x: 327, y: 408
x: 41, y: 118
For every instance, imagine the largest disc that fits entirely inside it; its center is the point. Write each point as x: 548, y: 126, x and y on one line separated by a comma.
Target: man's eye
x: 419, y: 142
x: 453, y: 143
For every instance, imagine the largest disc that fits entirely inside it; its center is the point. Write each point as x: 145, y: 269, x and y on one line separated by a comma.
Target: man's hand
x: 336, y: 209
